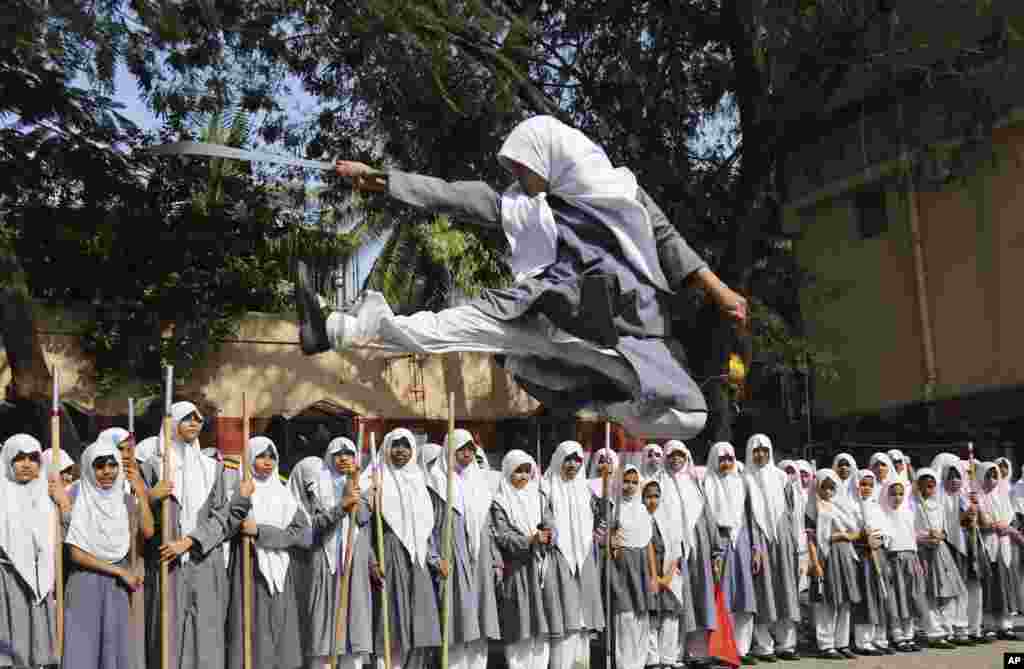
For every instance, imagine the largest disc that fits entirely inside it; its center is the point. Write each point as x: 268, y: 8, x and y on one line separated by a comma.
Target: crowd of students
x: 539, y: 561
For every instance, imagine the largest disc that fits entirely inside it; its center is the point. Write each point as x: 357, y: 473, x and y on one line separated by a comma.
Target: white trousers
x: 998, y: 623
x: 571, y: 651
x: 467, y: 329
x: 743, y: 630
x: 941, y: 618
x: 870, y: 636
x: 832, y: 626
x: 532, y: 653
x: 344, y: 662
x: 697, y: 645
x: 780, y: 635
x: 967, y: 618
x: 631, y: 640
x: 902, y: 630
x: 663, y: 640
x: 403, y: 659
x: 468, y: 655
x: 805, y: 580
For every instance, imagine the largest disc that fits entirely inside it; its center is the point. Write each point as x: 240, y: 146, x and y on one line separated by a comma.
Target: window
x: 872, y: 218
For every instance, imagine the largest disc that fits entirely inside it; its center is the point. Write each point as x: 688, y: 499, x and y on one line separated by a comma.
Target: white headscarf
x: 1004, y: 482
x: 998, y: 505
x: 846, y: 494
x: 595, y: 480
x: 113, y: 435
x: 577, y: 171
x: 900, y: 519
x: 330, y: 490
x: 942, y: 464
x: 634, y: 520
x: 871, y: 514
x: 829, y: 515
x: 27, y: 515
x: 304, y: 483
x: 471, y: 488
x: 653, y: 458
x: 146, y: 449
x: 274, y: 505
x: 100, y: 524
x: 405, y: 501
x: 671, y: 523
x: 521, y: 506
x: 928, y: 513
x: 570, y: 502
x: 885, y: 460
x: 797, y: 497
x: 726, y: 494
x: 894, y: 455
x: 680, y: 496
x: 194, y: 474
x: 766, y: 486
x: 47, y: 460
x: 1017, y: 494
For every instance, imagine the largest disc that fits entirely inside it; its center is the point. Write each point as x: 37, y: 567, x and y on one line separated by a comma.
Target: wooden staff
x: 58, y: 525
x: 345, y: 572
x: 972, y: 489
x: 379, y: 519
x: 605, y: 493
x: 446, y: 631
x: 165, y: 530
x: 876, y: 559
x: 138, y: 596
x: 247, y: 594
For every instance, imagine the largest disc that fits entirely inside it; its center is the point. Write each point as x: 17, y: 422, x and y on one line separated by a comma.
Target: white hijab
x: 634, y: 519
x: 894, y: 455
x: 27, y: 517
x: 829, y: 515
x: 891, y: 474
x: 796, y: 497
x: 47, y: 461
x: 671, y: 523
x: 928, y: 513
x: 654, y: 456
x: 942, y: 464
x: 471, y: 488
x: 570, y: 502
x: 274, y: 505
x: 100, y: 524
x: 578, y: 171
x: 595, y: 480
x: 193, y: 473
x: 146, y: 449
x: 726, y: 494
x: 846, y: 495
x: 681, y: 496
x: 900, y: 519
x: 405, y: 501
x: 304, y: 483
x: 998, y: 505
x: 330, y: 490
x: 523, y: 506
x: 766, y: 486
x: 871, y: 514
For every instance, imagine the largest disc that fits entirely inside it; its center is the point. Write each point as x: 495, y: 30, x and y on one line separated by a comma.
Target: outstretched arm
x: 470, y: 201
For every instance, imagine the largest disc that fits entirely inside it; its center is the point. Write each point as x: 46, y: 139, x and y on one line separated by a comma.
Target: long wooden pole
x: 165, y: 530
x: 605, y: 493
x: 379, y: 519
x: 247, y: 594
x: 446, y: 631
x: 58, y: 525
x: 345, y: 572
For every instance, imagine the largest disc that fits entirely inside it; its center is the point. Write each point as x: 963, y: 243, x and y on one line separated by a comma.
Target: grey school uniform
x: 520, y: 601
x: 641, y: 311
x: 663, y: 603
x: 875, y: 608
x: 942, y: 576
x: 28, y: 631
x: 276, y: 640
x: 702, y: 582
x: 777, y: 586
x: 572, y: 601
x: 908, y: 595
x: 474, y: 608
x: 197, y: 588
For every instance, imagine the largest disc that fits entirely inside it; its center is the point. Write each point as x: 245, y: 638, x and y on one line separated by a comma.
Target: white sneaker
x: 668, y: 424
x: 348, y: 330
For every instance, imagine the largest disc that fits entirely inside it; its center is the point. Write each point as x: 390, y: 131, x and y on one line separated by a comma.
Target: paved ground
x: 989, y: 656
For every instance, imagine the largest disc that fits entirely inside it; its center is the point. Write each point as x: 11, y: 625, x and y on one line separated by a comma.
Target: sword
x: 220, y: 151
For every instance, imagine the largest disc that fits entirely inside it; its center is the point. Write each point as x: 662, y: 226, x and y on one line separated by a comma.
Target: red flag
x: 722, y: 641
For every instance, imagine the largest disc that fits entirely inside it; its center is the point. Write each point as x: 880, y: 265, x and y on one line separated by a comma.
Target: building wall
x: 864, y: 307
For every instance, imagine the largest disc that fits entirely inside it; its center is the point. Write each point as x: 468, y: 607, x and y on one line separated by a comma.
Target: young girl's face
x: 992, y: 479
x: 896, y: 493
x: 953, y: 481
x: 760, y: 456
x: 26, y: 467
x: 105, y: 469
x: 843, y: 469
x: 805, y: 479
x: 263, y: 465
x: 630, y: 482
x: 604, y: 465
x: 571, y: 467
x: 926, y: 487
x: 881, y: 470
x: 521, y: 476
x: 652, y: 497
x: 68, y: 476
x: 676, y: 461
x: 343, y: 460
x: 826, y: 490
x: 726, y: 462
x: 1004, y: 469
x: 866, y: 487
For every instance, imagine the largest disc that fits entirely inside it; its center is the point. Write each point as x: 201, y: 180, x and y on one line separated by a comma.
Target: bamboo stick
x: 58, y: 525
x: 446, y: 631
x: 345, y: 572
x: 247, y: 594
x: 378, y: 507
x: 606, y: 494
x: 165, y: 530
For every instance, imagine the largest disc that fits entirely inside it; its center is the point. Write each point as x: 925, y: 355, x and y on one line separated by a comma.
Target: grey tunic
x: 97, y: 629
x: 702, y: 580
x: 520, y: 601
x: 585, y: 248
x: 941, y: 574
x: 907, y: 590
x: 874, y: 608
x: 474, y: 609
x: 275, y: 618
x: 572, y: 602
x: 28, y: 631
x: 318, y: 587
x: 197, y: 588
x: 738, y: 576
x: 664, y: 602
x: 777, y: 588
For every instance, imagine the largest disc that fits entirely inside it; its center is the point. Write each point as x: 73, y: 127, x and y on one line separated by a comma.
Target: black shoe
x: 847, y: 653
x: 1007, y: 635
x: 748, y: 660
x: 941, y: 644
x: 831, y: 654
x: 989, y: 636
x: 979, y: 640
x: 914, y: 648
x: 867, y: 651
x: 596, y: 311
x: 788, y: 655
x: 962, y: 641
x: 312, y: 324
x: 767, y: 658
x: 887, y: 650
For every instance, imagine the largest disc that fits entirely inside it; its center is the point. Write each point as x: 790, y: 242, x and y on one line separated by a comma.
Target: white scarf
x: 766, y: 486
x: 846, y: 495
x: 1004, y: 482
x: 146, y: 449
x: 955, y: 534
x: 900, y: 519
x: 578, y: 171
x: 405, y: 501
x: 471, y: 489
x: 726, y: 494
x: 330, y: 490
x: 654, y: 456
x: 273, y: 505
x: 522, y: 506
x: 796, y: 500
x: 895, y: 455
x: 671, y: 523
x: 871, y: 514
x: 928, y: 512
x: 829, y: 516
x: 570, y: 502
x: 100, y: 524
x: 891, y: 474
x: 634, y: 519
x: 27, y: 517
x: 47, y: 461
x: 998, y: 505
x: 681, y: 495
x: 193, y: 473
x: 304, y: 483
x: 594, y: 479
